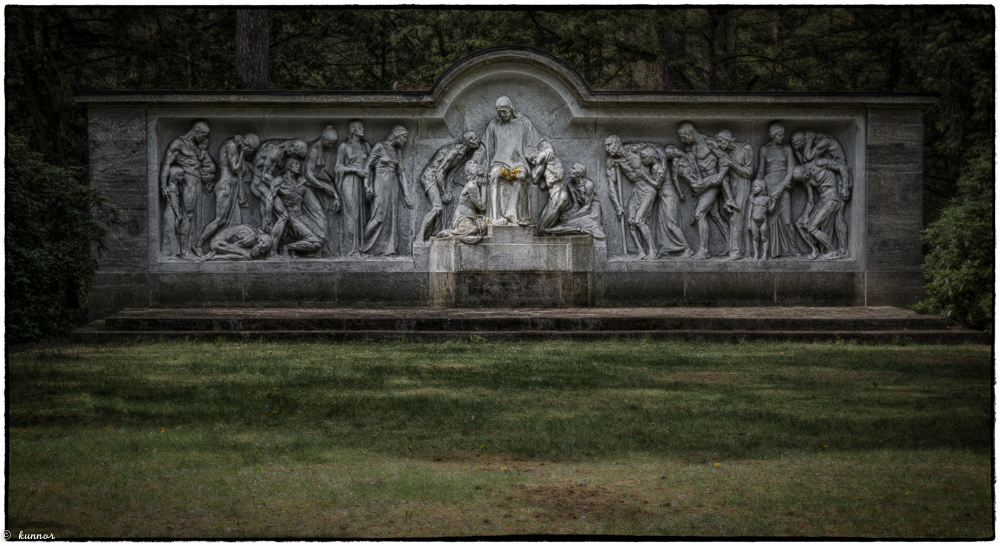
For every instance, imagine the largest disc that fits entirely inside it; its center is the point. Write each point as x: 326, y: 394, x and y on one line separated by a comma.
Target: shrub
x: 960, y: 263
x: 52, y: 219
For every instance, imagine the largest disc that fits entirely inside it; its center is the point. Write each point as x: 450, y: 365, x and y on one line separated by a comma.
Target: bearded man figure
x: 505, y: 141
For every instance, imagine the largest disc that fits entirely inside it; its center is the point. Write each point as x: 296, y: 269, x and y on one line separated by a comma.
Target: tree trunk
x: 670, y: 57
x: 252, y: 39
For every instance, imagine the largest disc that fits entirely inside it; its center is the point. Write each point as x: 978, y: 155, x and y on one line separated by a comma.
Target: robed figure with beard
x: 502, y: 154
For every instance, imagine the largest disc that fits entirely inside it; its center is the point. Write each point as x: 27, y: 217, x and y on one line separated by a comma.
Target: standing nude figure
x: 351, y: 175
x: 434, y: 180
x: 186, y: 167
x: 229, y: 191
x: 709, y: 179
x: 761, y: 206
x: 775, y: 168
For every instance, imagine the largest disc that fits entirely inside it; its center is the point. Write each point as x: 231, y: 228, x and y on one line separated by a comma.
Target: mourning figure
x: 705, y: 179
x: 320, y: 179
x: 434, y: 180
x: 351, y: 172
x: 584, y: 214
x: 239, y: 242
x: 810, y: 145
x: 230, y: 194
x: 187, y: 168
x: 383, y: 185
x: 736, y: 158
x: 547, y: 171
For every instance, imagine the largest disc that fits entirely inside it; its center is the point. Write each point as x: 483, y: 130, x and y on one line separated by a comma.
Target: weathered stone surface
x: 510, y: 288
x: 725, y: 324
x: 834, y: 289
x: 899, y: 288
x: 638, y: 289
x: 722, y: 289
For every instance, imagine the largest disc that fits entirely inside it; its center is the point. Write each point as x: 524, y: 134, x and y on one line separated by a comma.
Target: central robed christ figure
x: 505, y: 141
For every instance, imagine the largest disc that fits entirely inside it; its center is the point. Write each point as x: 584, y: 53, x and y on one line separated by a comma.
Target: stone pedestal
x: 512, y: 267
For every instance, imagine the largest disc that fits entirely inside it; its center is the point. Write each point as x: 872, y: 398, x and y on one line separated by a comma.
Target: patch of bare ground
x: 589, y: 502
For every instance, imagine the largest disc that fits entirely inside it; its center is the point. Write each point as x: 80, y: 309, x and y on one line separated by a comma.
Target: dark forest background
x: 52, y: 52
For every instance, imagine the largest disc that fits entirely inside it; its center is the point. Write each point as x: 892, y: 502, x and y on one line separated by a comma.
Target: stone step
x: 873, y: 324
x: 520, y: 320
x: 96, y: 332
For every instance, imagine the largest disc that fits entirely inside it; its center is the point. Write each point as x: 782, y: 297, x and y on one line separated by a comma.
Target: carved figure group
x: 470, y: 222
x: 293, y: 184
x: 274, y: 199
x: 513, y: 156
x: 752, y: 222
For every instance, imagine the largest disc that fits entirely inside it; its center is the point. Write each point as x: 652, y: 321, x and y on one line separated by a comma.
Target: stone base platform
x: 860, y: 324
x: 512, y: 267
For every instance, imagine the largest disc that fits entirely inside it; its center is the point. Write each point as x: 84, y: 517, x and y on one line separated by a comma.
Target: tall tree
x: 252, y: 41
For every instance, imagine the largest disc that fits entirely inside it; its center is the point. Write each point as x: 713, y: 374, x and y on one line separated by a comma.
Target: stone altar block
x: 417, y: 198
x: 512, y: 267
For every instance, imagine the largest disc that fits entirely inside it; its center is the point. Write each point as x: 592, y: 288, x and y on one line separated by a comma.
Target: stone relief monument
x: 477, y: 193
x: 290, y: 179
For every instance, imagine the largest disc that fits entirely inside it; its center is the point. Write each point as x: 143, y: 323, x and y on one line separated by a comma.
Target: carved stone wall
x: 334, y: 199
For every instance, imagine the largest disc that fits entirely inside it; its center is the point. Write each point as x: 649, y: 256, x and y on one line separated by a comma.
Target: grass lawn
x: 380, y: 440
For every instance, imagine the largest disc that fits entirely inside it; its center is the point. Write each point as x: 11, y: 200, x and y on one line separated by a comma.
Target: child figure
x: 761, y: 205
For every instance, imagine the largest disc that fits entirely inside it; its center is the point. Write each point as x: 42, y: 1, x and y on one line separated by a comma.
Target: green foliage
x: 49, y: 232
x: 960, y: 265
